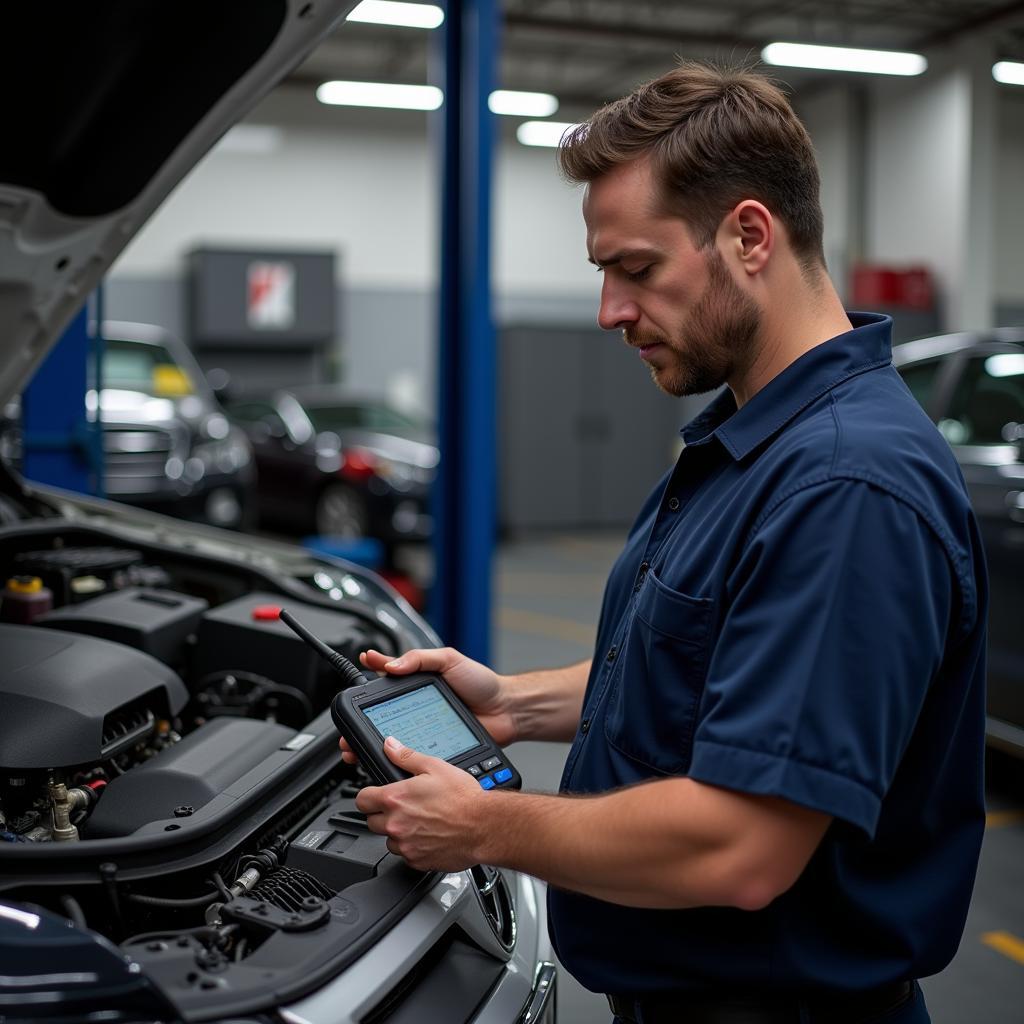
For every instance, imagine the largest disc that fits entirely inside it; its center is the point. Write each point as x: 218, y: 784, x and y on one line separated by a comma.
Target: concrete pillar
x: 930, y: 178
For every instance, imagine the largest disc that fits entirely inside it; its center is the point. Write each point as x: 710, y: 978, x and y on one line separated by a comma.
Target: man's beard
x: 715, y: 343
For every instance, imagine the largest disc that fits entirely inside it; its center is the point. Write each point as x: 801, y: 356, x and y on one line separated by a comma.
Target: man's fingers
x: 369, y: 800
x: 406, y: 758
x: 419, y: 660
x: 376, y: 823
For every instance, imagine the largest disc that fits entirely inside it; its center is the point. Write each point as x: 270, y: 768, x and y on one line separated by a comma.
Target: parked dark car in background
x: 340, y: 465
x: 972, y: 386
x: 167, y: 444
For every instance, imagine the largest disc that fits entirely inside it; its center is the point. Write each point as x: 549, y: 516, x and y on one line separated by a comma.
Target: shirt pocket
x: 659, y: 678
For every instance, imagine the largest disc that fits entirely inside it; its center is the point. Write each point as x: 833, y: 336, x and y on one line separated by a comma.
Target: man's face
x: 676, y: 304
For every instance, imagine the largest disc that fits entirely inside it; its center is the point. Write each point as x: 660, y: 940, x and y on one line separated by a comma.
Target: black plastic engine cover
x: 154, y: 621
x: 235, y: 636
x: 189, y: 774
x: 57, y: 689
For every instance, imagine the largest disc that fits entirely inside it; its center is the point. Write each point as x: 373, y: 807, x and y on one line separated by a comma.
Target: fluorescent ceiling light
x: 380, y: 94
x: 523, y: 104
x: 251, y: 139
x: 390, y: 12
x: 543, y: 133
x: 1006, y: 364
x: 842, y: 58
x: 1009, y: 72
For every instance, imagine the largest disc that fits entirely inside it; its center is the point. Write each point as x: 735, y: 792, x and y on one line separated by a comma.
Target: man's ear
x: 747, y: 234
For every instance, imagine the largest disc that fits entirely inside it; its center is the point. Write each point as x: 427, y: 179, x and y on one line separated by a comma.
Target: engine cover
x: 59, y: 690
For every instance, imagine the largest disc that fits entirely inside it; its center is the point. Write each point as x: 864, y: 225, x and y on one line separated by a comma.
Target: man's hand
x: 484, y: 692
x: 430, y: 819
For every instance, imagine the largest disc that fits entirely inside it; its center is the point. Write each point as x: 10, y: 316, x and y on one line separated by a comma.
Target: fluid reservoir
x: 25, y: 599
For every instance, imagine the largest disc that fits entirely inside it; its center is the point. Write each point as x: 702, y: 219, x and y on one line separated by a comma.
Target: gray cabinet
x: 583, y: 431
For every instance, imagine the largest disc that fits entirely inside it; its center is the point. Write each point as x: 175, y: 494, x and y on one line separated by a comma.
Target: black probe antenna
x: 338, y: 662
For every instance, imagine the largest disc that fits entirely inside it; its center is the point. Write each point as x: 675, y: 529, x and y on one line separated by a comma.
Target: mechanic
x: 772, y: 807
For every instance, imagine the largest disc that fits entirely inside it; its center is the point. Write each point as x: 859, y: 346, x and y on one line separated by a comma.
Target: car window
x: 987, y: 406
x: 151, y: 369
x: 368, y: 417
x: 250, y: 412
x: 920, y: 378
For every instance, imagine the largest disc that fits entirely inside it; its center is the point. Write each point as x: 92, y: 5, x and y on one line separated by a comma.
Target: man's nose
x: 617, y: 310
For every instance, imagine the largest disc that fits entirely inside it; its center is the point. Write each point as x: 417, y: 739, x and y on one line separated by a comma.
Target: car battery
x: 157, y: 622
x: 246, y: 635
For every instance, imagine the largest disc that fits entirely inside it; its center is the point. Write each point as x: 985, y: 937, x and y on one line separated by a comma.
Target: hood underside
x: 112, y: 105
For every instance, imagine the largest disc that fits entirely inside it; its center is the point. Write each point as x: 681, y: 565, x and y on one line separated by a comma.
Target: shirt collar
x: 867, y: 347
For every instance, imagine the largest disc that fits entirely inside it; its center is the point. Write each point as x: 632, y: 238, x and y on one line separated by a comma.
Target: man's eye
x: 638, y: 275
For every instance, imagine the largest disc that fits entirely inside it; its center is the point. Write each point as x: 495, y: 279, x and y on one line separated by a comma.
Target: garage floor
x: 547, y: 602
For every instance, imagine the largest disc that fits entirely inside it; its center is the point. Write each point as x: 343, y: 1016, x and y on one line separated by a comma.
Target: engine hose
x: 268, y: 858
x: 222, y: 888
x: 73, y: 910
x: 172, y: 903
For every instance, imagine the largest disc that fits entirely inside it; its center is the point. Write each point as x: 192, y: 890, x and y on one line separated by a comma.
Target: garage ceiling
x: 589, y: 51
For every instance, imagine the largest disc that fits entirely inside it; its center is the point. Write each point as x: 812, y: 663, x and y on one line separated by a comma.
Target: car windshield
x: 143, y: 367
x: 348, y: 416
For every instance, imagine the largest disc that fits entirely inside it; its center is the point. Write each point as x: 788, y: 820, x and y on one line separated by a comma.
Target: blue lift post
x: 61, y: 444
x: 465, y: 490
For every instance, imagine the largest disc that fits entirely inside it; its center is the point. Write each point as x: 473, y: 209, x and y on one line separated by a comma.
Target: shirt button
x: 673, y: 503
x: 644, y: 566
x: 585, y: 725
x: 610, y: 656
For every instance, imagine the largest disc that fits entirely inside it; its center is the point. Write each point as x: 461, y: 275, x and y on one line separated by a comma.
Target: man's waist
x: 762, y: 1008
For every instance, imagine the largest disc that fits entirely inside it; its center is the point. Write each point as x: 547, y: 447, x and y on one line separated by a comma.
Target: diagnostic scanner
x: 420, y: 711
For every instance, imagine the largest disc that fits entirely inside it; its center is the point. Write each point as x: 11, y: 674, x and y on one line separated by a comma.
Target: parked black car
x: 972, y: 386
x: 339, y: 464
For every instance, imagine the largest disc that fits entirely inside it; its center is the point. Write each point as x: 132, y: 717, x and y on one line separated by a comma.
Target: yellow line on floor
x: 1005, y: 943
x: 521, y: 621
x: 996, y: 819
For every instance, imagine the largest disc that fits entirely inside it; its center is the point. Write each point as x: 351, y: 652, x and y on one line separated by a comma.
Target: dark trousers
x: 911, y: 1011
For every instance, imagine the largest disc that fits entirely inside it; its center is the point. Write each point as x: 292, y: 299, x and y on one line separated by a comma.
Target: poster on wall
x: 270, y: 295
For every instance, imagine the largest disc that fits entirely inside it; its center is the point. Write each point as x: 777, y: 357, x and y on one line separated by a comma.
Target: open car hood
x: 111, y: 106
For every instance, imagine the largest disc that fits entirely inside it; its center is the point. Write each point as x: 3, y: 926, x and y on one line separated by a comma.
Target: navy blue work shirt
x: 799, y: 612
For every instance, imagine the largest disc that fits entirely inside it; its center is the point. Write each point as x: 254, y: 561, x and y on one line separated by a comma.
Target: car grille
x: 133, y: 456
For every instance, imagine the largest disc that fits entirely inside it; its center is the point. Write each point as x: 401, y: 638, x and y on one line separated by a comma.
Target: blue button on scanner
x: 503, y: 776
x: 487, y: 782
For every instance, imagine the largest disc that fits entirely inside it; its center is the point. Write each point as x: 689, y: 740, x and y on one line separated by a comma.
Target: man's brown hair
x: 716, y: 136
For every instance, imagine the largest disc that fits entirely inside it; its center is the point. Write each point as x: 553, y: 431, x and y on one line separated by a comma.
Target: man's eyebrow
x: 625, y: 254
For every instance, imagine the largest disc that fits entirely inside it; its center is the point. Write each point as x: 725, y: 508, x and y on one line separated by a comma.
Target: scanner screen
x: 424, y: 720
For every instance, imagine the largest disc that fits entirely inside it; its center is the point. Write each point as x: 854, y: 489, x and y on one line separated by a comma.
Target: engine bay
x: 169, y: 773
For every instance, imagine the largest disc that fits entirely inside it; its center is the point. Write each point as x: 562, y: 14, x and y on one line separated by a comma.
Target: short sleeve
x: 835, y: 624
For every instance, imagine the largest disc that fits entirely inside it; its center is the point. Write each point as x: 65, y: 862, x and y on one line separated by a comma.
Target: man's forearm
x: 546, y: 705
x: 670, y: 843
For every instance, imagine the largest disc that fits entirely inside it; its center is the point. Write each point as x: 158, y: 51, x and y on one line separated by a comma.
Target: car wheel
x: 341, y: 512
